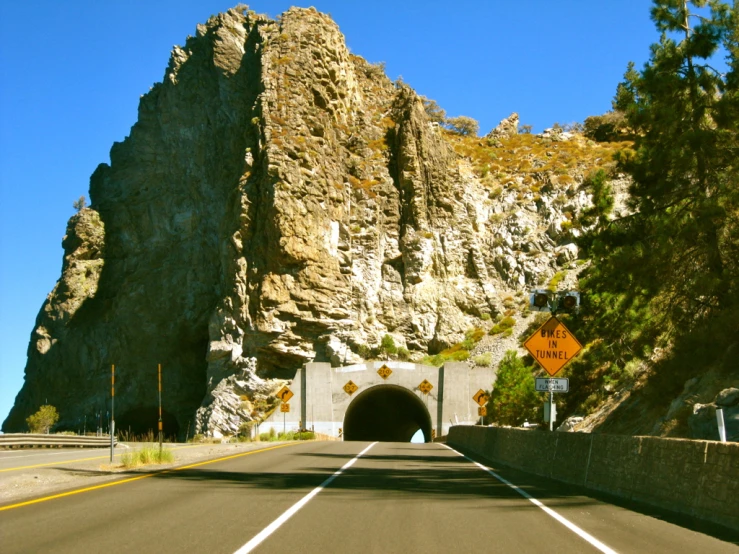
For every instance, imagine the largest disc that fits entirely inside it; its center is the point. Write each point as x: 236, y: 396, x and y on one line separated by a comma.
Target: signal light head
x: 539, y: 300
x: 569, y: 301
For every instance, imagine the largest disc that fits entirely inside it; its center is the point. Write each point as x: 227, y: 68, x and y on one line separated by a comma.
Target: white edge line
x: 564, y: 521
x: 272, y: 527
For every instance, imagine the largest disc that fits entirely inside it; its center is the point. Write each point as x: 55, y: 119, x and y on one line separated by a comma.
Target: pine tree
x: 674, y: 260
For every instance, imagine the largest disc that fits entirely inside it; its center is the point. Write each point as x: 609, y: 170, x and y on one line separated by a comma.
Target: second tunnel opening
x: 386, y: 413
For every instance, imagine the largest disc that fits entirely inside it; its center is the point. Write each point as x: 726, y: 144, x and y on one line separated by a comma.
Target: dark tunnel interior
x: 139, y: 421
x: 387, y: 413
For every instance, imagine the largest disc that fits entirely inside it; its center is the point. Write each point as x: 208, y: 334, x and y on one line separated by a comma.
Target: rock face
x: 506, y: 128
x: 703, y: 423
x: 278, y: 201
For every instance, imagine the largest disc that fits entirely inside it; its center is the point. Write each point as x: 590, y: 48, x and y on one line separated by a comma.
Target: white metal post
x: 112, y: 410
x: 721, y: 425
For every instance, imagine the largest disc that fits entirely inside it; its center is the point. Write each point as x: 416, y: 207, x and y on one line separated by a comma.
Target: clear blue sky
x: 73, y: 72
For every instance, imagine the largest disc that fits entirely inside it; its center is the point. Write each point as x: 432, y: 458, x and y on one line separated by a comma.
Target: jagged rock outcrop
x: 278, y: 201
x: 506, y: 128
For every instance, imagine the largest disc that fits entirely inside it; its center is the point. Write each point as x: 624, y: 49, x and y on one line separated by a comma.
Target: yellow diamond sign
x: 285, y: 394
x: 481, y: 397
x: 425, y: 387
x: 553, y: 345
x: 384, y: 371
x: 350, y: 388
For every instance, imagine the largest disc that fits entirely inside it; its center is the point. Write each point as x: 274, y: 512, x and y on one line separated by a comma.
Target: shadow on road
x: 443, y: 476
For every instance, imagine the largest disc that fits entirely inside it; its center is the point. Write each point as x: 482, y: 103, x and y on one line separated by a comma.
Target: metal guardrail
x: 31, y: 440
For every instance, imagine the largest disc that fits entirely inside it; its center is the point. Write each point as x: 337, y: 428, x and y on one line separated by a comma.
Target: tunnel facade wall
x: 697, y: 478
x: 320, y: 401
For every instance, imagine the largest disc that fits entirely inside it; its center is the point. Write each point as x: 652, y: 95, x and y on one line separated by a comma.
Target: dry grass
x: 528, y: 157
x: 147, y: 455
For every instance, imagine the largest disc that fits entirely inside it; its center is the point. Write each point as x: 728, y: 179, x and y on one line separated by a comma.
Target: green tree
x: 43, y: 420
x: 514, y: 399
x: 433, y: 110
x: 387, y: 346
x: 80, y: 203
x: 671, y: 267
x: 463, y: 125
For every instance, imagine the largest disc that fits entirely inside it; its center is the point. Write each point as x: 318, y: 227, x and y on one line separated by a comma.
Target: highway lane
x: 13, y: 460
x: 398, y: 497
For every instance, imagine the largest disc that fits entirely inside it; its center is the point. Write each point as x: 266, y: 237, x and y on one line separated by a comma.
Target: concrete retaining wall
x: 698, y: 478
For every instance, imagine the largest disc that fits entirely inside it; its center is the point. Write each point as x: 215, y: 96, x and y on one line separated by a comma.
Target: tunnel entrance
x: 387, y: 413
x: 145, y: 420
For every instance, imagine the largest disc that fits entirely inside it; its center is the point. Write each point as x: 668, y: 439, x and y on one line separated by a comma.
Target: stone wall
x: 697, y: 478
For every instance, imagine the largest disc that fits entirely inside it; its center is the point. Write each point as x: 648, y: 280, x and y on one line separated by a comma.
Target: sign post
x: 284, y: 394
x: 284, y: 408
x: 481, y: 397
x: 159, y: 371
x: 552, y: 415
x: 112, y: 409
x: 552, y: 346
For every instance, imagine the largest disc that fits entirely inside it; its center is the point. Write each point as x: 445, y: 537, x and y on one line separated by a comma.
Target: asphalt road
x: 28, y: 458
x: 16, y: 460
x: 397, y: 497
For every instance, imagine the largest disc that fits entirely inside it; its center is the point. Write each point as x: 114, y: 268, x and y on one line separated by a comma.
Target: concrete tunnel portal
x: 387, y: 413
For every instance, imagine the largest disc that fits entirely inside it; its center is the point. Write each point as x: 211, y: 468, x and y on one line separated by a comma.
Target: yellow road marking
x: 85, y: 459
x: 130, y: 479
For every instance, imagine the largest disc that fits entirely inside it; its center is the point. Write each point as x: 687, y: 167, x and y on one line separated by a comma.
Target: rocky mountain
x: 278, y: 201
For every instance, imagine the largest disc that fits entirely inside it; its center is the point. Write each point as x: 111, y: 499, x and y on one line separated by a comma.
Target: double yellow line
x: 131, y: 479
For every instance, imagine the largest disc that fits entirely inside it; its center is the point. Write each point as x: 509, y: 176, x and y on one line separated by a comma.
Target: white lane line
x: 564, y: 521
x: 272, y: 527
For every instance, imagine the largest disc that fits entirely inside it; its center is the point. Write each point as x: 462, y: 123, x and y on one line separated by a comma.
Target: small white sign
x: 555, y: 385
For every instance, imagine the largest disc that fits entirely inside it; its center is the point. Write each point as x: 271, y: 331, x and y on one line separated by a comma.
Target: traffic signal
x: 539, y: 301
x: 569, y: 301
x: 543, y: 300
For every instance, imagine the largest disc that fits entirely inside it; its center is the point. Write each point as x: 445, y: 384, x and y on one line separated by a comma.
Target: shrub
x: 514, y: 397
x: 610, y: 126
x: 364, y: 351
x: 43, y: 420
x: 556, y: 280
x: 403, y: 353
x: 387, y: 345
x: 80, y: 203
x: 463, y: 125
x: 505, y: 325
x: 433, y: 110
x: 245, y: 429
x: 485, y: 359
x: 474, y: 335
x: 148, y: 454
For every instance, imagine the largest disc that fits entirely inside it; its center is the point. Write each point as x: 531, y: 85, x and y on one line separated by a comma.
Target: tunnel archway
x: 387, y: 413
x: 144, y: 419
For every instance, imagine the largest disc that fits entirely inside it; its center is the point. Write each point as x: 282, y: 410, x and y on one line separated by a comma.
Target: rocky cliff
x: 278, y: 201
